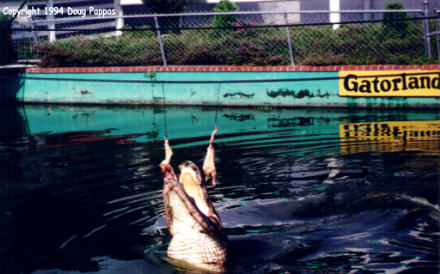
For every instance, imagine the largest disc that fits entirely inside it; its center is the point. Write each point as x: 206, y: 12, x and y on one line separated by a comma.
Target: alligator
x: 198, y: 238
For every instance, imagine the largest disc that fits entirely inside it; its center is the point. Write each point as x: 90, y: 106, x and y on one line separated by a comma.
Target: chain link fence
x: 240, y: 38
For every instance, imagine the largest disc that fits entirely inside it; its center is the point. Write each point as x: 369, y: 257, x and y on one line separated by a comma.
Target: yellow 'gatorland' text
x: 389, y: 83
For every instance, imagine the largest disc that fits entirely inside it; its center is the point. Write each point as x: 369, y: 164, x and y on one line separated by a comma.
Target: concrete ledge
x: 229, y: 68
x: 15, y: 66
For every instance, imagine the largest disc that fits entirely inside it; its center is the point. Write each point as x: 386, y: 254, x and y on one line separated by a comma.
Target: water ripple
x: 296, y: 192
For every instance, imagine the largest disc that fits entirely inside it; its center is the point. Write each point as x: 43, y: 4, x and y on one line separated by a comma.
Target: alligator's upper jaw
x: 192, y: 185
x: 182, y: 210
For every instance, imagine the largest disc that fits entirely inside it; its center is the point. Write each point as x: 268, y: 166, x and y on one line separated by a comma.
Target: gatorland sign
x: 389, y: 83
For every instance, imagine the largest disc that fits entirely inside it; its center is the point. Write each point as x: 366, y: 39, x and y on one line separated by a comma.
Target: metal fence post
x: 335, y: 16
x: 36, y: 48
x: 34, y: 34
x: 426, y: 31
x: 289, y: 41
x: 51, y: 26
x: 159, y: 37
x: 437, y: 32
x: 119, y: 23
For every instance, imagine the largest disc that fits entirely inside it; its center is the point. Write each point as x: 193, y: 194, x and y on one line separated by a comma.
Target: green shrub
x: 395, y: 25
x: 258, y: 46
x: 115, y: 51
x: 199, y: 54
x: 224, y: 20
x: 313, y: 41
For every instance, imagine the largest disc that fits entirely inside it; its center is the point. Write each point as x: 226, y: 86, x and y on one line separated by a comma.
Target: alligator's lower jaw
x: 200, y: 254
x: 185, y: 267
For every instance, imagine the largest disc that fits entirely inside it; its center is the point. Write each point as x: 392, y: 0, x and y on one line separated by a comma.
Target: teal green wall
x: 299, y: 93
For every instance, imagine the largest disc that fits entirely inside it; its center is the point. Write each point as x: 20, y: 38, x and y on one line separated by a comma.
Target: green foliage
x: 224, y: 20
x: 311, y: 45
x: 80, y: 51
x: 395, y: 25
x: 225, y: 6
x: 355, y: 44
x: 4, y: 18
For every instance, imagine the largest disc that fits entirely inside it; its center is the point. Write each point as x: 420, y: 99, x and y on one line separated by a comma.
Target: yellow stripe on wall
x: 391, y: 83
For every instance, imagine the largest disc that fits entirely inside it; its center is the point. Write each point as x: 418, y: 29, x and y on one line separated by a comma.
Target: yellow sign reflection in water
x: 390, y: 136
x: 389, y: 83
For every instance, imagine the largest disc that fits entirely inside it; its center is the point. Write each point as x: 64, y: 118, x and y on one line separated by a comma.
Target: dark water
x: 299, y: 191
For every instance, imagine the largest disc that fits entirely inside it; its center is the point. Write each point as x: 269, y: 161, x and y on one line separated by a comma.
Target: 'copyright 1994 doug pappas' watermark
x: 61, y: 11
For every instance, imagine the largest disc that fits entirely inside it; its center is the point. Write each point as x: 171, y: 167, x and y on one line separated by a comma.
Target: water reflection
x: 299, y: 190
x: 13, y: 124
